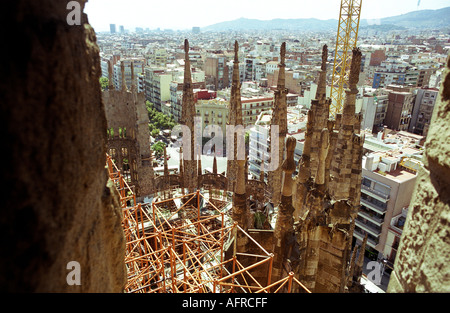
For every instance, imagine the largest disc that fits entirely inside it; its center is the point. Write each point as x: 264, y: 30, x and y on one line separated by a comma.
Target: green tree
x: 158, y: 120
x: 104, y: 83
x: 158, y: 148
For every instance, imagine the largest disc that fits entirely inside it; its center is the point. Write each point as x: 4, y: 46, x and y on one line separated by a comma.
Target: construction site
x: 188, y: 244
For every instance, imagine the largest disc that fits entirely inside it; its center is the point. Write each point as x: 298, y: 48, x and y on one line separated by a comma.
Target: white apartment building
x: 388, y: 180
x: 271, y: 66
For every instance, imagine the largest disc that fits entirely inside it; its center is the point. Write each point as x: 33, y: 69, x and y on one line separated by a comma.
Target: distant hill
x: 422, y: 19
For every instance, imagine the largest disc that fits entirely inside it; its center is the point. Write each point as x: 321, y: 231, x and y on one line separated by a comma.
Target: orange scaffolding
x: 186, y: 244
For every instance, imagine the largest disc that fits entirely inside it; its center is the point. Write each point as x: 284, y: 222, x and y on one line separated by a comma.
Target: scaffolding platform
x: 187, y: 244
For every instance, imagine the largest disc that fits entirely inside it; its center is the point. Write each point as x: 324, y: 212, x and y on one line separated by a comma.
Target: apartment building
x: 213, y: 112
x: 253, y: 106
x: 254, y: 69
x: 399, y: 109
x: 381, y: 110
x: 157, y: 85
x: 216, y: 68
x: 259, y: 155
x: 271, y: 67
x: 423, y: 110
x: 159, y: 57
x: 384, y: 78
x: 388, y: 180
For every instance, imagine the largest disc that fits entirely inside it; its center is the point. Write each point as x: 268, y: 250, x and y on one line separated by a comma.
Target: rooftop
x: 399, y: 175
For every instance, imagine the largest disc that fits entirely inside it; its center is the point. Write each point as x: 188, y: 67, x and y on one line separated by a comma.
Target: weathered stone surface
x: 279, y: 119
x: 129, y: 137
x: 329, y: 170
x: 234, y: 120
x: 422, y: 259
x: 56, y: 205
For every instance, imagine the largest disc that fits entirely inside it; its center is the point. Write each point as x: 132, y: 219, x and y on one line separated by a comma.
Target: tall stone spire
x: 110, y: 76
x: 187, y: 118
x: 303, y: 179
x: 342, y: 162
x: 236, y: 167
x: 322, y: 86
x: 323, y: 152
x: 133, y: 80
x: 214, y: 167
x: 240, y: 212
x: 122, y: 71
x: 283, y: 233
x: 279, y: 118
x: 325, y: 209
x: 234, y: 119
x: 321, y: 108
x: 358, y: 271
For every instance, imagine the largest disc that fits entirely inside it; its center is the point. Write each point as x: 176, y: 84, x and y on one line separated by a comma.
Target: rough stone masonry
x: 56, y: 205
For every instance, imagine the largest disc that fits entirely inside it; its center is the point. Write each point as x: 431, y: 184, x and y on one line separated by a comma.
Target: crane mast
x: 347, y: 36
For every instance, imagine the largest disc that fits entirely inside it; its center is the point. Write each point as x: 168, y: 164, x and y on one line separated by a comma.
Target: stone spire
x: 122, y: 71
x: 214, y: 168
x: 279, y: 118
x: 284, y: 226
x: 329, y: 168
x: 133, y: 81
x: 303, y: 177
x: 234, y: 118
x: 323, y: 153
x: 187, y: 118
x: 236, y: 168
x: 360, y: 262
x: 342, y: 162
x: 240, y: 212
x: 288, y: 167
x: 322, y: 86
x: 318, y: 120
x: 110, y: 76
x: 351, y: 268
x: 321, y: 108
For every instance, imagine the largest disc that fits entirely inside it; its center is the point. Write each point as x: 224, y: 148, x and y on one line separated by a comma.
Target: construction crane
x: 347, y: 36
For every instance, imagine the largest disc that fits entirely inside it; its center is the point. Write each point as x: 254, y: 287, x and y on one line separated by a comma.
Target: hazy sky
x: 184, y: 14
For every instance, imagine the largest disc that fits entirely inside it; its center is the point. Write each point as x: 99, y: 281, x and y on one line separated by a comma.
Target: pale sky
x: 184, y: 14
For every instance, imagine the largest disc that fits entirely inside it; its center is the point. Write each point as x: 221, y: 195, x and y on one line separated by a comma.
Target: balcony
x: 375, y: 193
x: 376, y: 220
x: 370, y: 229
x: 398, y: 222
x: 373, y: 206
x: 358, y: 234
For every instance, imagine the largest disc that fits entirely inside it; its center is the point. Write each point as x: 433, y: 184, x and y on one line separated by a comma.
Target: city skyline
x: 156, y: 15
